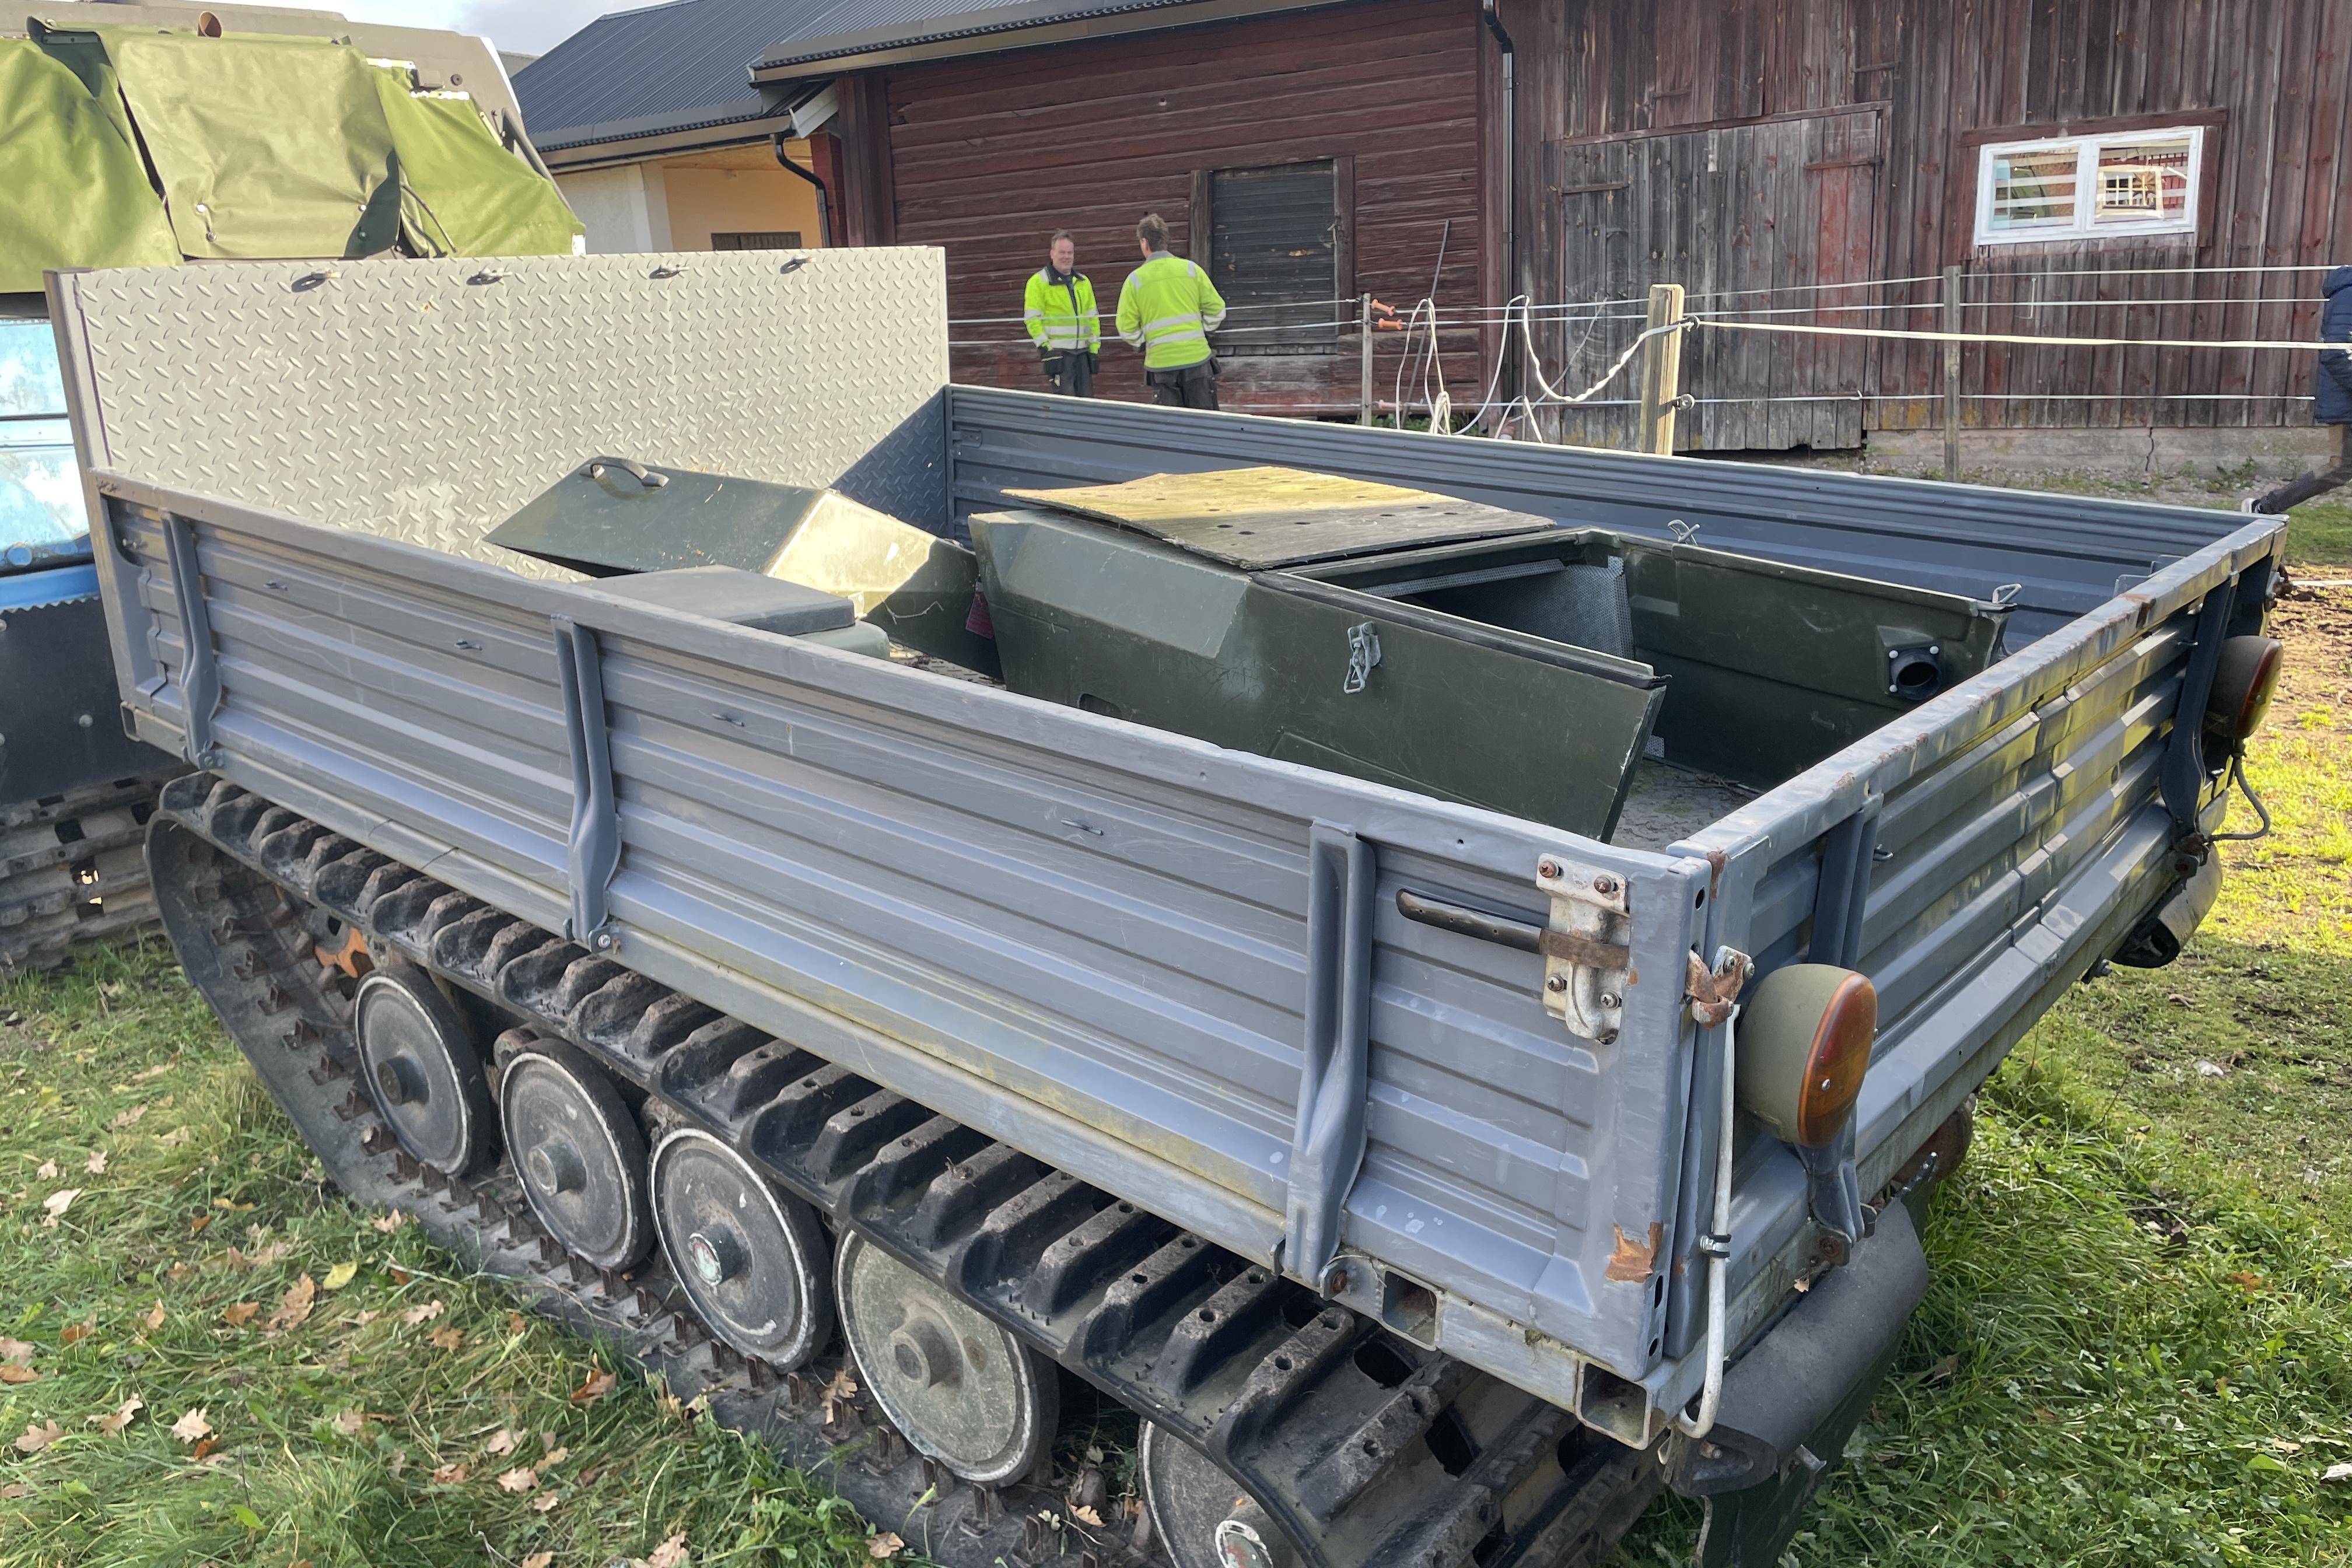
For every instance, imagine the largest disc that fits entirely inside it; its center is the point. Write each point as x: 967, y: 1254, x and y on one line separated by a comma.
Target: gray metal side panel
x: 2069, y: 553
x: 420, y: 400
x: 1079, y: 935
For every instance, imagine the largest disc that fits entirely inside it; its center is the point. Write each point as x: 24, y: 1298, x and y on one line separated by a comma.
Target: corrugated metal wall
x: 2274, y: 72
x: 989, y: 155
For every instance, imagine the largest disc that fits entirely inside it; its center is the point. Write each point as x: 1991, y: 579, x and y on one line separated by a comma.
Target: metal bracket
x: 2184, y: 775
x: 595, y: 840
x: 1327, y: 1146
x: 1363, y: 655
x: 200, y: 687
x: 1587, y: 964
x: 1849, y: 853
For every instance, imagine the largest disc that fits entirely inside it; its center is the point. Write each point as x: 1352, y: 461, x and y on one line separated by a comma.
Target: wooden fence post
x: 1951, y: 374
x: 1662, y: 362
x: 1364, y: 330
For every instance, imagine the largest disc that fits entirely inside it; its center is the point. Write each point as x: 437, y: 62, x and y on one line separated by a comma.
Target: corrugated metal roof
x: 664, y: 68
x: 858, y: 26
x: 687, y: 64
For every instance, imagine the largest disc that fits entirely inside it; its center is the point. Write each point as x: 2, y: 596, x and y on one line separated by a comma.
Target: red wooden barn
x: 2091, y: 164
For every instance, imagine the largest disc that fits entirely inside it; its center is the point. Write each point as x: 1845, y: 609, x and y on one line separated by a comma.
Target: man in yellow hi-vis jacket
x: 1063, y: 323
x: 1167, y: 307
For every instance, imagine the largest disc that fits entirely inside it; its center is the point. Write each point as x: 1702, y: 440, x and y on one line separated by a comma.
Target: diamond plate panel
x: 425, y: 401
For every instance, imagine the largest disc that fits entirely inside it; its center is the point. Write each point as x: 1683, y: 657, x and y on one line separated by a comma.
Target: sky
x: 525, y: 26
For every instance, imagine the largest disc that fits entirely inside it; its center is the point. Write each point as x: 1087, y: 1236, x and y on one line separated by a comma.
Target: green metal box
x: 1476, y: 654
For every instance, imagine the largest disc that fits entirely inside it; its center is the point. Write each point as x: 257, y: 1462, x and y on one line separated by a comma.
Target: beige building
x: 718, y: 198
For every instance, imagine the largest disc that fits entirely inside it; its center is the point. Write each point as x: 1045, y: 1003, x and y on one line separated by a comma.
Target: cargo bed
x: 1097, y: 941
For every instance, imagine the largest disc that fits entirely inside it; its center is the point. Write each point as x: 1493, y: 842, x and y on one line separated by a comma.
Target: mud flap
x: 1791, y: 1402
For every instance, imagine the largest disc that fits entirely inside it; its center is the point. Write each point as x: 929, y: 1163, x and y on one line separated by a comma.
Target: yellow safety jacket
x: 1167, y: 307
x: 1061, y: 317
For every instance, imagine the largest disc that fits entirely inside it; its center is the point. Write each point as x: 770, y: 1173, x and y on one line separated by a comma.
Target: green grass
x: 329, y: 1432
x: 2137, y: 1348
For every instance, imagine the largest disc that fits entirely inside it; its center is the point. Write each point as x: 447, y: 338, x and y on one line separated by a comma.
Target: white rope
x: 1907, y: 335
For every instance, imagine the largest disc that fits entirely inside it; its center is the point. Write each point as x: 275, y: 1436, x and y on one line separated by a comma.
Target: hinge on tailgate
x: 1586, y: 963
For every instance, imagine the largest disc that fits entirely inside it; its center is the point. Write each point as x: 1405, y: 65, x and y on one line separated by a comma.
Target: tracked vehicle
x: 1434, y: 1183
x: 154, y: 135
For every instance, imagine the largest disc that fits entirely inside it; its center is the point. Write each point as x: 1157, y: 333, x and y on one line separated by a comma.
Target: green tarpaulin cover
x: 75, y: 191
x: 465, y: 194
x: 266, y: 146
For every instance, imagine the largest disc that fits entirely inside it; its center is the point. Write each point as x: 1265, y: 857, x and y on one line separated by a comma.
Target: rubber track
x: 1269, y: 1380
x: 46, y: 848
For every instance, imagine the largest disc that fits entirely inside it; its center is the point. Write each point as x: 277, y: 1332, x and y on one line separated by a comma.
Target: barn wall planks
x: 1613, y: 84
x: 988, y: 155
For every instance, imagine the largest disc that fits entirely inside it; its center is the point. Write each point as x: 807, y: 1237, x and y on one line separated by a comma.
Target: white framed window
x: 2085, y: 187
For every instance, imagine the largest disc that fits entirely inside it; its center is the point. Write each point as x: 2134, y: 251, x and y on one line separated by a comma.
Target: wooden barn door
x: 1747, y: 218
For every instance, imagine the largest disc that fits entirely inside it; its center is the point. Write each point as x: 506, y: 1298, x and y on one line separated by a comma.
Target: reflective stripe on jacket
x: 1167, y: 308
x: 1062, y: 316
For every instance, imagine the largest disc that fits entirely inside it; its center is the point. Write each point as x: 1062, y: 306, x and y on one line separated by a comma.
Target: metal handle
x: 635, y: 470
x: 1469, y: 922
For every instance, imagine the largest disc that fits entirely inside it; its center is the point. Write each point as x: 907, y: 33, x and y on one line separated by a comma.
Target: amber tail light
x: 2244, y: 681
x: 1805, y: 1036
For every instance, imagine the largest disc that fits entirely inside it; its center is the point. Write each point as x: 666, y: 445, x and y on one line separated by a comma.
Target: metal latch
x: 1586, y: 963
x: 1364, y: 653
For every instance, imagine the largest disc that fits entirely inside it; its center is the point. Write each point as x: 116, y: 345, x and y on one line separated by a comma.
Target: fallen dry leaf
x: 351, y: 1423
x: 389, y: 1222
x: 600, y: 1384
x: 517, y: 1480
x: 545, y: 1502
x: 158, y: 1070
x: 96, y: 1163
x: 294, y: 1307
x: 18, y: 1372
x: 121, y: 1417
x: 515, y: 1324
x: 57, y: 1204
x: 2342, y: 1472
x: 554, y: 1458
x: 199, y: 1223
x: 153, y: 1318
x: 128, y: 1118
x: 1944, y: 1368
x: 424, y: 1314
x: 270, y: 1254
x: 82, y: 1331
x: 48, y: 1171
x: 2244, y: 1281
x: 540, y: 1560
x: 447, y: 1339
x: 883, y: 1545
x: 38, y: 1436
x: 838, y: 1394
x: 450, y: 1475
x: 340, y: 1275
x: 364, y: 1318
x: 202, y: 1452
x: 237, y: 1314
x: 191, y: 1426
x: 1085, y: 1515
x: 16, y: 1349
x: 502, y: 1442
x: 670, y: 1554
x: 14, y: 1490
x: 175, y: 1137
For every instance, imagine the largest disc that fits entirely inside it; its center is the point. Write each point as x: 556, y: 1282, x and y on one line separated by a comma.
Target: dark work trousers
x: 2295, y: 492
x: 1193, y: 386
x: 1071, y: 374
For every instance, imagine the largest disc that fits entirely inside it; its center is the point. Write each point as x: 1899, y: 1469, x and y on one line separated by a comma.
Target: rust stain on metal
x: 1632, y: 1260
x: 1714, y: 991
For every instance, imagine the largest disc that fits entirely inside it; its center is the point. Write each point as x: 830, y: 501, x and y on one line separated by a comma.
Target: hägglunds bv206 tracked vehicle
x: 1436, y: 1164
x: 142, y: 135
